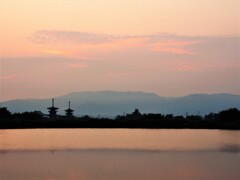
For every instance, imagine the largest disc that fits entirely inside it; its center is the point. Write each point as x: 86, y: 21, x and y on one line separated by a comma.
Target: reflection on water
x: 131, y: 139
x: 119, y: 165
x: 119, y: 154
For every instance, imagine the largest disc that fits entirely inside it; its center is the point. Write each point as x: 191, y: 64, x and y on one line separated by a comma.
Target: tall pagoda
x: 69, y: 111
x: 52, y: 110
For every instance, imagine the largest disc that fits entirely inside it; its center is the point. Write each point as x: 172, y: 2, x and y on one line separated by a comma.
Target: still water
x: 119, y: 154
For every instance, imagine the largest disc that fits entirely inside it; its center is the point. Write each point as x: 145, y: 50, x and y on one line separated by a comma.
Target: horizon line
x: 117, y: 91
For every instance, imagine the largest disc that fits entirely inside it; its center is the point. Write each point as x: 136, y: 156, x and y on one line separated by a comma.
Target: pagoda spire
x: 52, y: 110
x: 69, y: 111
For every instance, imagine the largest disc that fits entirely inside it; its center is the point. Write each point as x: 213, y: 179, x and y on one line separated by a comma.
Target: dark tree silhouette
x: 29, y: 116
x: 227, y: 119
x: 230, y: 115
x: 4, y: 113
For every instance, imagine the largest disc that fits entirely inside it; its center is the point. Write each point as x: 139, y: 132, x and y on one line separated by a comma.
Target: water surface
x: 119, y: 154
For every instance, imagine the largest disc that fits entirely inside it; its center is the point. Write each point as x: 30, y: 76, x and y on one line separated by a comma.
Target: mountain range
x: 112, y: 103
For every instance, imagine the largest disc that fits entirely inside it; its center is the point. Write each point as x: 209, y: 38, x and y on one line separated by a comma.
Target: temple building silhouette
x: 69, y: 111
x: 52, y: 110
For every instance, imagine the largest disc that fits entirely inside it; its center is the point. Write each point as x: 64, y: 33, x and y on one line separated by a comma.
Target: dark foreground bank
x: 227, y: 119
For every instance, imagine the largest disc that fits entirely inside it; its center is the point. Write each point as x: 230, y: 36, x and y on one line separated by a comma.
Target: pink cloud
x: 172, y: 50
x: 174, y: 47
x: 116, y: 75
x: 78, y: 65
x: 54, y: 52
x: 87, y: 43
x: 7, y: 77
x: 189, y: 67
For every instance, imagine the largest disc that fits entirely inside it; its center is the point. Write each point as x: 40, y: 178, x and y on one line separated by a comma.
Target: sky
x: 172, y: 48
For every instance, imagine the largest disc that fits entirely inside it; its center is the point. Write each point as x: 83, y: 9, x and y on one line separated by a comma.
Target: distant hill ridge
x: 112, y: 103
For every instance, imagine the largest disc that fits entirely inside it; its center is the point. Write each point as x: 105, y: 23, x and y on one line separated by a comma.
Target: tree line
x: 226, y: 119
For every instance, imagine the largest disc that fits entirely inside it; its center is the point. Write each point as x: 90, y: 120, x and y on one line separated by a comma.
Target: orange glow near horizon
x: 102, y: 44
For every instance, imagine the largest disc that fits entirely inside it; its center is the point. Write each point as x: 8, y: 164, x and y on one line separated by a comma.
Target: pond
x: 119, y: 154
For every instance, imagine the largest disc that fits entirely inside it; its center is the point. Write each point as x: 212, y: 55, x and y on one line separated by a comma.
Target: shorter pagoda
x: 52, y: 110
x: 69, y: 111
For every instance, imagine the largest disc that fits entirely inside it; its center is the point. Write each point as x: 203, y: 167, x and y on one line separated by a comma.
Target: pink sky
x: 171, y: 48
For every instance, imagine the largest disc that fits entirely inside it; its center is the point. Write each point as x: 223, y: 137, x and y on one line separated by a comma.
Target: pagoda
x: 52, y: 110
x: 69, y: 111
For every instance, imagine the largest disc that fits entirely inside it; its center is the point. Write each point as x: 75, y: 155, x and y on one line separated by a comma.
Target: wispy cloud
x: 54, y: 52
x: 78, y: 65
x: 175, y: 47
x: 166, y: 43
x: 7, y: 77
x: 54, y: 36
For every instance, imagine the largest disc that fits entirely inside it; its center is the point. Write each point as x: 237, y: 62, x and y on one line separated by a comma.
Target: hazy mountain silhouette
x: 111, y: 103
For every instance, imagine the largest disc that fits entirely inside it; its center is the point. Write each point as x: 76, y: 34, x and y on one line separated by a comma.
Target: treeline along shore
x: 226, y: 119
